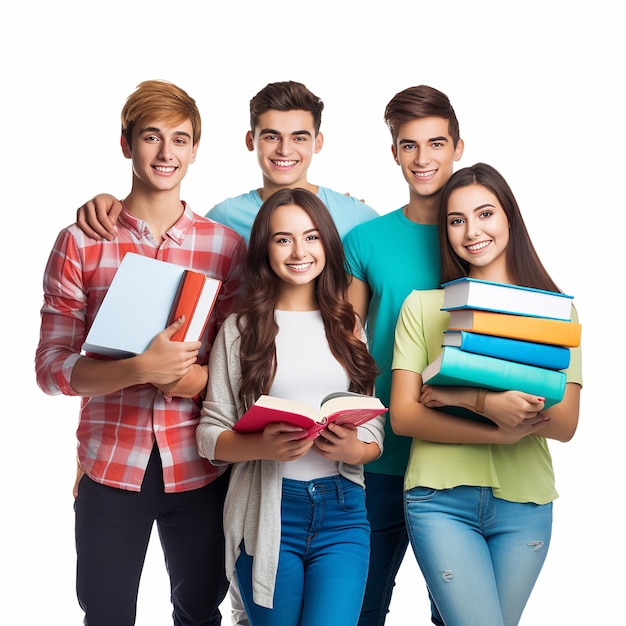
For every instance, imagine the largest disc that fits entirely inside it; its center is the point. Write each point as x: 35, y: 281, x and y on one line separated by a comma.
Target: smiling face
x: 161, y: 154
x: 425, y: 152
x: 296, y: 252
x: 285, y: 142
x: 478, y: 231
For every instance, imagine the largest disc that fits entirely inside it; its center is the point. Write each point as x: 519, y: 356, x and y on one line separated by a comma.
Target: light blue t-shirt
x: 394, y: 256
x: 238, y: 213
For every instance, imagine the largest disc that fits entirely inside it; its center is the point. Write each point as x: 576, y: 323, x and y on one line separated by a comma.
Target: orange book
x: 195, y: 299
x: 538, y: 329
x: 342, y: 407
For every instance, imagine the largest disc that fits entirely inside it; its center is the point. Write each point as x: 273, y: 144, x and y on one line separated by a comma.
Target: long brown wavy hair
x: 522, y: 261
x: 256, y: 321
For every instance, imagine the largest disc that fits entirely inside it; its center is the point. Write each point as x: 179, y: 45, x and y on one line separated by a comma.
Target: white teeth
x: 285, y: 163
x: 424, y: 174
x: 164, y: 170
x: 478, y: 246
x: 299, y: 266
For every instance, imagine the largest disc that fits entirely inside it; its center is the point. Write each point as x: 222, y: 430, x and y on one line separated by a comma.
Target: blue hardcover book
x: 458, y: 368
x: 470, y: 293
x: 531, y: 353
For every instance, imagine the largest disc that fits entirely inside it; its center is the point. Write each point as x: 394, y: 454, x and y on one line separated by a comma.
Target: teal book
x: 528, y: 352
x: 484, y: 295
x: 455, y: 367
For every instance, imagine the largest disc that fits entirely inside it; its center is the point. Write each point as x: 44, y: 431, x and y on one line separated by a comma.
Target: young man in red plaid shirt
x: 138, y: 416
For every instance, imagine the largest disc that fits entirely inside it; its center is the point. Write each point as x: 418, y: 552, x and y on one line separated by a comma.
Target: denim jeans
x: 480, y: 555
x: 324, y: 555
x: 384, y: 498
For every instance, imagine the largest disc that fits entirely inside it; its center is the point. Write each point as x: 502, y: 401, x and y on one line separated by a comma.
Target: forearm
x: 93, y: 377
x: 192, y: 384
x: 233, y: 447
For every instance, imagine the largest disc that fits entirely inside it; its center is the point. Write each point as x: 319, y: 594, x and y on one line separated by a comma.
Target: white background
x: 538, y: 87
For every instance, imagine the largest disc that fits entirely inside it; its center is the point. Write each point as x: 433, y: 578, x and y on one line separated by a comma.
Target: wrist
x: 479, y: 405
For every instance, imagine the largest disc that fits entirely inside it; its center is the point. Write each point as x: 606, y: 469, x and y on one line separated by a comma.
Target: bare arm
x: 412, y: 418
x: 359, y: 295
x: 163, y: 363
x: 97, y: 217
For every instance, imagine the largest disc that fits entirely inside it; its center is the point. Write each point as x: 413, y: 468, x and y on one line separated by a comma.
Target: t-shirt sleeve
x: 410, y: 349
x: 354, y: 254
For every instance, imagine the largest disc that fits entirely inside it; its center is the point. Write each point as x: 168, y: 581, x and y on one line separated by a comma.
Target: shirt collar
x: 141, y: 229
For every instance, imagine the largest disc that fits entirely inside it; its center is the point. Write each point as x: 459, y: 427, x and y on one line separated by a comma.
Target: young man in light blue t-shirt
x: 285, y: 120
x: 388, y: 257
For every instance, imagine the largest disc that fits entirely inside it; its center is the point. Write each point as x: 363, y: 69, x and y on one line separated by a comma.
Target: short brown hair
x: 286, y: 96
x: 419, y: 102
x: 158, y: 100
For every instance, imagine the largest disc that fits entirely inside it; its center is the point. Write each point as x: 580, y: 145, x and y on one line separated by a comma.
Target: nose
x: 473, y: 229
x: 165, y: 153
x: 298, y: 250
x: 284, y: 146
x: 422, y: 158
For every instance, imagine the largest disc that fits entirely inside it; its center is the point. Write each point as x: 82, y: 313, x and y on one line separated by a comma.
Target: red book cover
x: 339, y: 407
x: 195, y: 299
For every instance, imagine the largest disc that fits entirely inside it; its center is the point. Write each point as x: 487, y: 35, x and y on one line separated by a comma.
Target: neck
x: 297, y: 298
x: 422, y: 209
x: 159, y: 210
x: 269, y: 188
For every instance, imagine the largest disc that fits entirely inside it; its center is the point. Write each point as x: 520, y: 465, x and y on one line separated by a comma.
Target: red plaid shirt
x: 117, y: 432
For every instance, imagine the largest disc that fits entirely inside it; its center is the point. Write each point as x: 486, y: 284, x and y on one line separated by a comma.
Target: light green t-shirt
x: 520, y: 472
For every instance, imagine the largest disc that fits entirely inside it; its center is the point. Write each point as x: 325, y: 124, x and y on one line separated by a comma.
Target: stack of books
x: 504, y: 337
x: 145, y: 296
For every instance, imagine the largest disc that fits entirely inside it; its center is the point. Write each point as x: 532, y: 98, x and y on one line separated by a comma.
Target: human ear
x: 250, y: 141
x: 194, y: 152
x: 458, y: 151
x: 126, y: 151
x: 395, y: 154
x: 319, y: 142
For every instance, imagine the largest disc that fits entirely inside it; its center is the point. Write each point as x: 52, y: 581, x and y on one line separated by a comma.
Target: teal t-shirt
x: 394, y: 256
x: 238, y: 213
x: 520, y: 472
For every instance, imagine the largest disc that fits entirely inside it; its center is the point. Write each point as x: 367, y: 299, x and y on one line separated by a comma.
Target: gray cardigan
x: 253, y: 500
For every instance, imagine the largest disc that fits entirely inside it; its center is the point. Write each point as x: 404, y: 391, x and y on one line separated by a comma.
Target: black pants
x: 113, y: 528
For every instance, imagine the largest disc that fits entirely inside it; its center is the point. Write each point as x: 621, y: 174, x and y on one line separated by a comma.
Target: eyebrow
x: 271, y: 131
x: 403, y: 141
x: 286, y: 233
x: 478, y: 208
x: 154, y: 129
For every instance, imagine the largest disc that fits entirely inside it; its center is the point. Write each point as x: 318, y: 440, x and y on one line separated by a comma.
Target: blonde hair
x: 155, y: 100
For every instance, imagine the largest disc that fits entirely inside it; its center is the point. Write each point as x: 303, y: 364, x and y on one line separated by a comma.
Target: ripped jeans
x: 480, y: 555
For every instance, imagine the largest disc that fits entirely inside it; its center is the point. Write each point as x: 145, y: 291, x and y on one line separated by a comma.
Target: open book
x: 341, y: 407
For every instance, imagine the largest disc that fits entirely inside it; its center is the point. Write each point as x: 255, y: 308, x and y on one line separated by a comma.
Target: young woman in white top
x: 297, y: 535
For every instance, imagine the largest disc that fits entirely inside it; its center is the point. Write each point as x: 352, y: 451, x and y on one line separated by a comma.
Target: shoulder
x: 251, y: 197
x: 206, y: 226
x: 372, y: 228
x: 424, y: 301
x: 331, y: 197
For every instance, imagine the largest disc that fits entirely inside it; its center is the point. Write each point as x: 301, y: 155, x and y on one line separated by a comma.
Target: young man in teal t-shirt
x: 388, y: 257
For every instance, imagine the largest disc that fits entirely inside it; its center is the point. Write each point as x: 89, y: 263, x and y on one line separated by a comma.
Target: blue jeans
x: 384, y: 497
x: 324, y: 555
x: 480, y: 555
